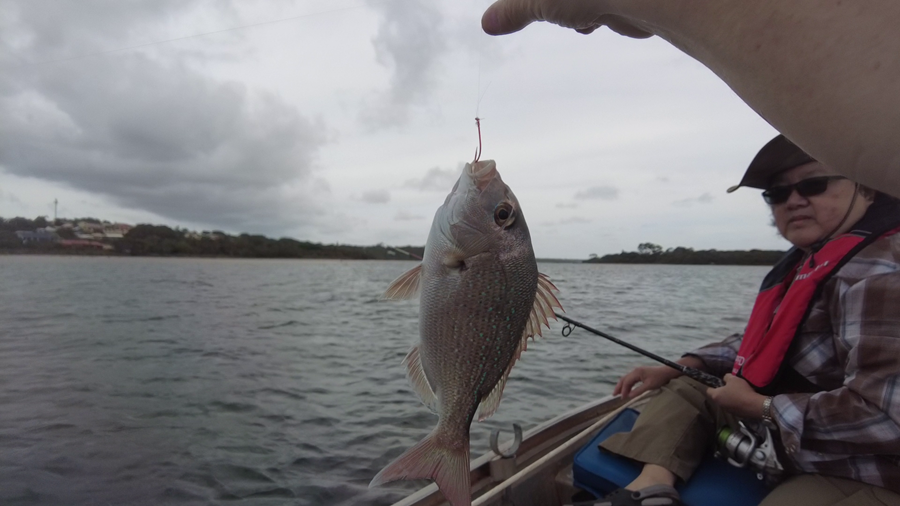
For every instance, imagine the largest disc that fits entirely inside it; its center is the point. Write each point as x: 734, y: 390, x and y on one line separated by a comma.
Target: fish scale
x: 468, y: 340
x: 480, y: 294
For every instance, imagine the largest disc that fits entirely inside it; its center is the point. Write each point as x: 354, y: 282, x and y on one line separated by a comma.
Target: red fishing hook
x: 478, y: 149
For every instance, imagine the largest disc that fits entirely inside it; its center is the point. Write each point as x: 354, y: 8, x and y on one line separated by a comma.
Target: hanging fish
x: 481, y: 299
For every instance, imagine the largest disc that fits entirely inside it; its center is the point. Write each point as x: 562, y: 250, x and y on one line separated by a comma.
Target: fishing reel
x: 751, y: 446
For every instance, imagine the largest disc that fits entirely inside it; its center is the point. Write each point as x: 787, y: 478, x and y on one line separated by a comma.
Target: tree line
x: 160, y: 240
x: 650, y: 253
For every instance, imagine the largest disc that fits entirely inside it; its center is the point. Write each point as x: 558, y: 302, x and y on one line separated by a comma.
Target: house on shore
x: 39, y: 235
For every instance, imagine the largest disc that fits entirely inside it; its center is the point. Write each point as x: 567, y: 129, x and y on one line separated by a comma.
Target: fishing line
x: 479, y: 95
x: 696, y: 374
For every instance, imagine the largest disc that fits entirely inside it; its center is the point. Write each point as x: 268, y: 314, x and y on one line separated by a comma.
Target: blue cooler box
x: 714, y: 483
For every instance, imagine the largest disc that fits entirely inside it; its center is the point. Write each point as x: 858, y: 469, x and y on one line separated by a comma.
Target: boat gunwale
x: 536, y: 442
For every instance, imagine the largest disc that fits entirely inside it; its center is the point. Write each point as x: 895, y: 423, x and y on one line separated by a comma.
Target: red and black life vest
x: 790, y: 289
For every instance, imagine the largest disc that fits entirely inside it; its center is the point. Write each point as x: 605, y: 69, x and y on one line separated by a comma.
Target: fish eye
x: 504, y: 214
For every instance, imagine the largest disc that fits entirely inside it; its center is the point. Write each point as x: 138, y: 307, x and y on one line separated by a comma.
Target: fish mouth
x: 482, y: 173
x: 455, y: 223
x: 475, y: 176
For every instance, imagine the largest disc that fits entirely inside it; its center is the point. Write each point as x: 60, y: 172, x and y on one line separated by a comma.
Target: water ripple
x: 255, y: 382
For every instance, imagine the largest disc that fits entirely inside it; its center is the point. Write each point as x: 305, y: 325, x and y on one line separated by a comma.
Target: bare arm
x: 826, y: 73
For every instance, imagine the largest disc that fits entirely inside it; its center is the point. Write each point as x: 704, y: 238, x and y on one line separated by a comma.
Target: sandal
x: 656, y: 495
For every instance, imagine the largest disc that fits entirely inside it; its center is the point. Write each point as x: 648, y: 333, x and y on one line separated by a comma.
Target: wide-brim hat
x: 778, y: 155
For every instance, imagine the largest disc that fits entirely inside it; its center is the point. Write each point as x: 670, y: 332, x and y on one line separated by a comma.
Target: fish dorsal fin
x: 541, y: 311
x: 418, y: 380
x: 406, y: 286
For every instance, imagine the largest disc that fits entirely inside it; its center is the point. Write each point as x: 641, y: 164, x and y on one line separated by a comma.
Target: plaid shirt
x: 849, y: 347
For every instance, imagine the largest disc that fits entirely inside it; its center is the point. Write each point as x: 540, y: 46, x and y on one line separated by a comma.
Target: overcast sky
x: 347, y: 121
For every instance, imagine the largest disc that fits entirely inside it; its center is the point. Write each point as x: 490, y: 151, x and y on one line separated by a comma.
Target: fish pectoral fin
x: 406, y: 286
x: 542, y: 309
x: 418, y: 380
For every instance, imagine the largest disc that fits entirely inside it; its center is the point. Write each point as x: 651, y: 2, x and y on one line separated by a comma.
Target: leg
x: 672, y: 434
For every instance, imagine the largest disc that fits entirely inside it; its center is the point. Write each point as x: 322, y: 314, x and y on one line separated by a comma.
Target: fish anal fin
x: 448, y: 467
x: 491, y: 402
x: 418, y: 380
x: 406, y: 286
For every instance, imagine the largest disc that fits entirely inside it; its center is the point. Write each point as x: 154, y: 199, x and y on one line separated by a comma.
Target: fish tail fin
x: 448, y: 467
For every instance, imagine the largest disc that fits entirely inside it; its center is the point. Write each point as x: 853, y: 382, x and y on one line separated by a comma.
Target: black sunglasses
x: 806, y: 188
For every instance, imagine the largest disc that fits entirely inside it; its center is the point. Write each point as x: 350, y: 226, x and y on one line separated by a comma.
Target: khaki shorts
x: 677, y: 428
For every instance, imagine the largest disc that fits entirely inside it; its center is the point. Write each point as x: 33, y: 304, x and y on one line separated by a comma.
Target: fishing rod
x: 751, y: 445
x: 696, y: 374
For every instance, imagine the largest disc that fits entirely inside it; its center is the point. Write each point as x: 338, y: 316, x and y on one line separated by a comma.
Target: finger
x: 507, y: 16
x: 643, y: 387
x: 626, y: 388
x: 624, y: 380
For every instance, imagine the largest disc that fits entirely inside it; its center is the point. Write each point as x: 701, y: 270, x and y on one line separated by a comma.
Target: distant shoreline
x: 90, y: 253
x: 91, y: 237
x: 114, y: 254
x: 687, y: 256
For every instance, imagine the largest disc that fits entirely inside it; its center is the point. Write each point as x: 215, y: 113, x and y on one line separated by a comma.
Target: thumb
x: 623, y: 27
x: 508, y: 16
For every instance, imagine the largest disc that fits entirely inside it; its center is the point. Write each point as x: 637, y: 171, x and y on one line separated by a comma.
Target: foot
x: 655, y: 495
x: 652, y: 474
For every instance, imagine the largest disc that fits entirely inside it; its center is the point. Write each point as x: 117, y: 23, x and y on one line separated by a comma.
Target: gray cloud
x: 410, y: 41
x: 598, y: 193
x: 47, y: 30
x: 567, y: 205
x: 436, y: 179
x: 706, y: 198
x: 320, y: 185
x: 407, y: 216
x: 376, y: 197
x: 9, y: 197
x: 148, y: 133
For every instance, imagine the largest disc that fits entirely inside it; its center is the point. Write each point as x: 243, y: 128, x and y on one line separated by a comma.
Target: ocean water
x: 147, y: 381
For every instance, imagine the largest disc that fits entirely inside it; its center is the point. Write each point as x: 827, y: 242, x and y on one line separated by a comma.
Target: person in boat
x: 819, y: 358
x: 824, y: 73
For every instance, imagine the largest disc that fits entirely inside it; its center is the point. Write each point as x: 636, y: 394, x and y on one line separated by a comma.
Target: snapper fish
x: 481, y: 298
